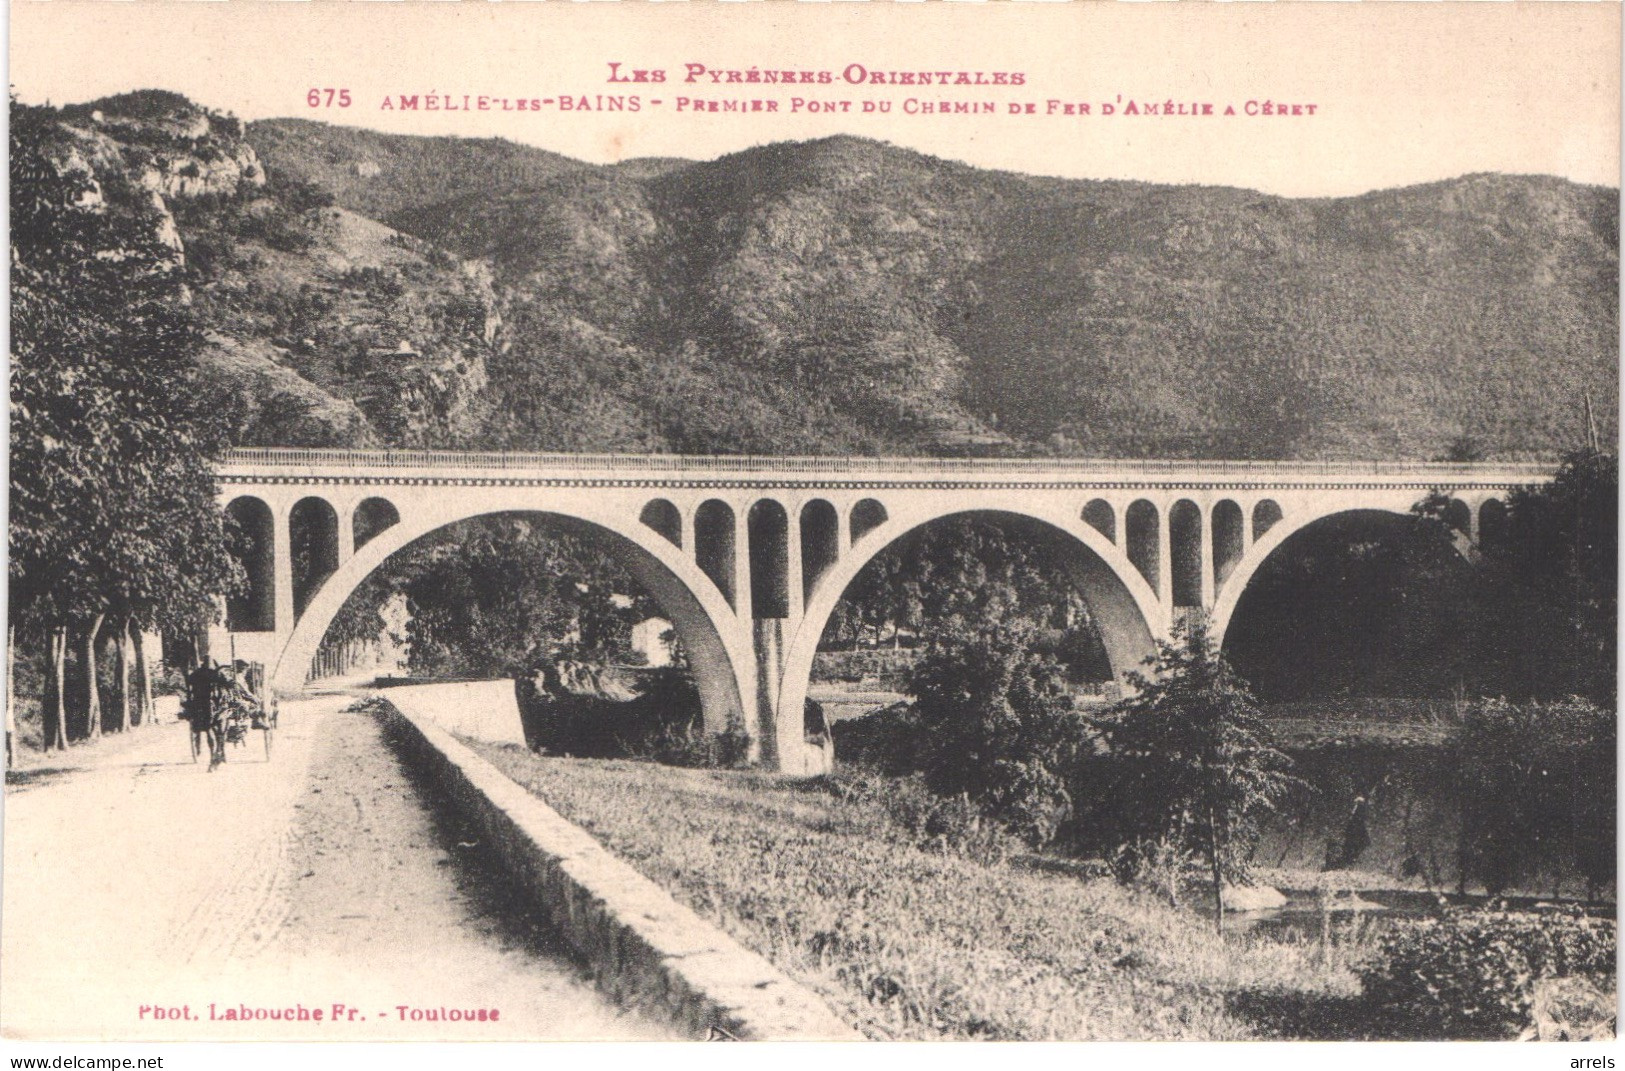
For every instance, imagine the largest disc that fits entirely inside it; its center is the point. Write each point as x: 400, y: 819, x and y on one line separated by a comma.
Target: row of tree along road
x: 114, y: 529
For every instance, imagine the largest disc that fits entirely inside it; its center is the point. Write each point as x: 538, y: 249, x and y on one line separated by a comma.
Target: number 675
x: 326, y: 98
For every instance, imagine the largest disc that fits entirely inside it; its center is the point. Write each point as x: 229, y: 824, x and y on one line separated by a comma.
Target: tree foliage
x: 1475, y: 974
x: 998, y: 726
x: 504, y: 596
x: 1188, y: 759
x: 1537, y: 788
x: 1548, y: 587
x: 956, y: 577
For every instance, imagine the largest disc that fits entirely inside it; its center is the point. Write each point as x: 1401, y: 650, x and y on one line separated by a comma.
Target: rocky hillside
x: 849, y: 296
x: 323, y: 327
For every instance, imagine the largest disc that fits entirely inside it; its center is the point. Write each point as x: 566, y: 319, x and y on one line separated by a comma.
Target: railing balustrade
x: 362, y: 460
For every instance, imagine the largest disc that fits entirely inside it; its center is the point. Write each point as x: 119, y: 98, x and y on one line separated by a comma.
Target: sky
x: 1402, y: 93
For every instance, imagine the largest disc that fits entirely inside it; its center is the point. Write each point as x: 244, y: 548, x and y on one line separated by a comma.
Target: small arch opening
x: 714, y: 545
x: 664, y: 518
x: 820, y: 542
x: 1141, y: 534
x: 769, y: 528
x: 1185, y: 550
x: 252, y: 543
x: 313, y: 531
x: 867, y: 515
x: 372, y: 516
x: 1458, y: 516
x: 1266, y: 515
x: 1100, y: 516
x: 1229, y: 540
x: 1492, y: 524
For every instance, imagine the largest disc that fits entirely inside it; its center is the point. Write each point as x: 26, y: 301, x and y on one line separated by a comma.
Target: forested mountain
x: 379, y: 174
x: 846, y: 296
x: 849, y: 295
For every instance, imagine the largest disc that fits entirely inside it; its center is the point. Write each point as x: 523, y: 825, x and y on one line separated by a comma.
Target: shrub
x: 1189, y: 761
x: 889, y: 669
x: 997, y: 726
x: 1594, y: 792
x: 663, y: 723
x: 1163, y: 866
x: 146, y: 104
x: 385, y: 282
x: 299, y: 195
x: 1472, y: 973
x: 689, y: 744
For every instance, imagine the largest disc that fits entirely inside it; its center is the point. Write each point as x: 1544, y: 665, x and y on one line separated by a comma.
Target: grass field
x: 909, y: 942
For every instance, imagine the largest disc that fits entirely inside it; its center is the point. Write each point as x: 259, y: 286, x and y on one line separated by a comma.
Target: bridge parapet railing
x: 654, y: 464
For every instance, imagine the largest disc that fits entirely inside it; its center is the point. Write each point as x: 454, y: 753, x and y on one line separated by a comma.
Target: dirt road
x: 146, y: 898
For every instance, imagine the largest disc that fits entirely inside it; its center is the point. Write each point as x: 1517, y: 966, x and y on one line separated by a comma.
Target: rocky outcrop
x: 324, y: 328
x: 168, y: 145
x: 1251, y: 898
x: 197, y: 174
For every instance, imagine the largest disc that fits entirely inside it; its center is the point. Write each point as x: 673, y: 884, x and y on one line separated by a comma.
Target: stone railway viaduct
x: 748, y: 556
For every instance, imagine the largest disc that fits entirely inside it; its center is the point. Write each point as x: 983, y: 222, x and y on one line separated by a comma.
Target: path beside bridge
x: 318, y: 878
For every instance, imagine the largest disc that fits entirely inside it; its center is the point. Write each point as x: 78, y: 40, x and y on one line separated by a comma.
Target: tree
x: 503, y: 595
x: 1537, y: 788
x: 949, y: 578
x: 998, y: 726
x: 113, y: 512
x: 1539, y: 615
x: 1189, y: 760
x: 1549, y: 586
x: 1594, y: 796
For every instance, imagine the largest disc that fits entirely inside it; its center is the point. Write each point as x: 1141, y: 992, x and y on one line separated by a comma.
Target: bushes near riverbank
x: 1479, y: 975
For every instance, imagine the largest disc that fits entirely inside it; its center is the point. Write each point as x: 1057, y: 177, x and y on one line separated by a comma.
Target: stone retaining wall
x: 475, y: 710
x: 646, y: 949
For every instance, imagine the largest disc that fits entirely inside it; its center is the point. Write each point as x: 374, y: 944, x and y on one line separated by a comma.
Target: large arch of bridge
x: 721, y: 659
x: 1124, y: 608
x: 1224, y: 606
x: 1359, y: 629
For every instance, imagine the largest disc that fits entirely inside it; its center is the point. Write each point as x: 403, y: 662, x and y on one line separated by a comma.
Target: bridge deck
x: 245, y: 465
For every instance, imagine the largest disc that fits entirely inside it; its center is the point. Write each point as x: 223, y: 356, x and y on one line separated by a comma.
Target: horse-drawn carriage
x: 224, y: 704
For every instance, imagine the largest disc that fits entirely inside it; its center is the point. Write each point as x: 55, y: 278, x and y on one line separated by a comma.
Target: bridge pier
x: 282, y: 544
x: 346, y: 533
x: 1205, y: 552
x: 1165, y: 555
